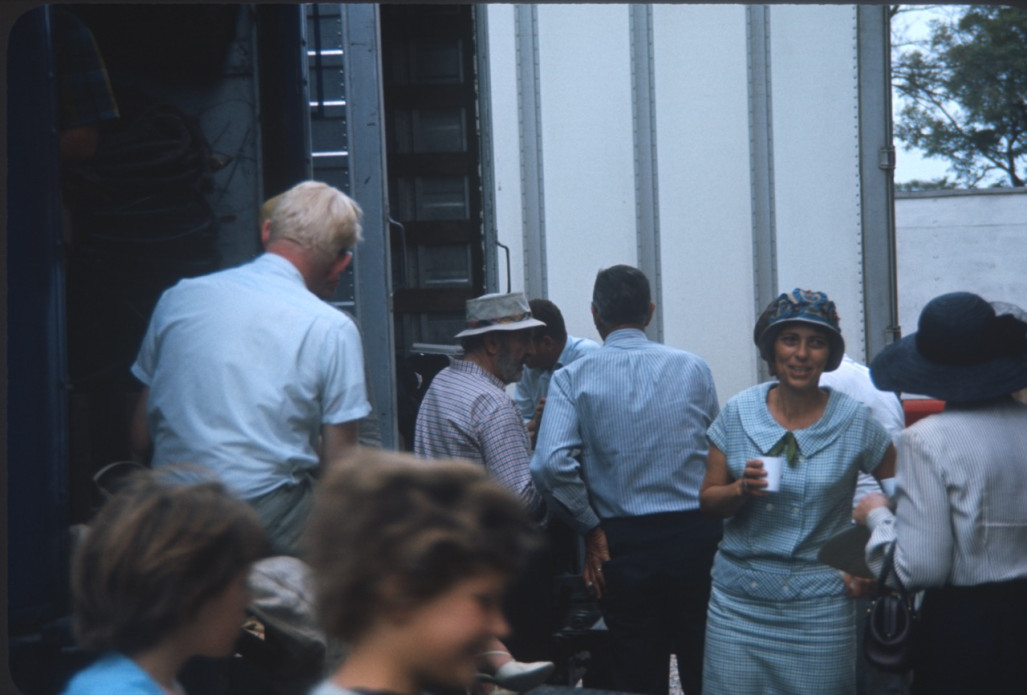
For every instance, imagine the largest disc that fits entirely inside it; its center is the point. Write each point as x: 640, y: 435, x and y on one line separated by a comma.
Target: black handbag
x: 891, y: 623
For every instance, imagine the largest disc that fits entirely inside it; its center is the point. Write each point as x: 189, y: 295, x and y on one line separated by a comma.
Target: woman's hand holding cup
x: 754, y: 479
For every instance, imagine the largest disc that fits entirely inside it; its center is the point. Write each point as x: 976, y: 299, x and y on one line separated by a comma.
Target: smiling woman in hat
x: 779, y: 619
x: 960, y: 525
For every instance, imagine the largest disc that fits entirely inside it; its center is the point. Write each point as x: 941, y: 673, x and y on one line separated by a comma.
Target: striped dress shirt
x: 638, y: 412
x: 466, y: 414
x: 961, y: 499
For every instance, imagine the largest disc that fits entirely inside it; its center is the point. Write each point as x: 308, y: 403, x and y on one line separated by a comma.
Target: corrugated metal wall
x: 720, y: 84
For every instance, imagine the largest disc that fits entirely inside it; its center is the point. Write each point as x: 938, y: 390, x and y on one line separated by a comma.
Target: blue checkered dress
x: 779, y: 621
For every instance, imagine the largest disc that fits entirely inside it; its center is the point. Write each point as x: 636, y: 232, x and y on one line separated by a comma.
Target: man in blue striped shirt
x: 638, y: 412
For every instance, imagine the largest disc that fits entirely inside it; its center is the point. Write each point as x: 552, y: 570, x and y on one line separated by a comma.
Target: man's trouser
x: 283, y: 512
x: 657, y: 591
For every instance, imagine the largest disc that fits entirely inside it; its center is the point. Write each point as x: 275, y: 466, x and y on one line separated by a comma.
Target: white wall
x: 816, y: 158
x: 960, y: 241
x: 703, y: 143
x: 505, y: 144
x: 702, y: 126
x: 588, y: 161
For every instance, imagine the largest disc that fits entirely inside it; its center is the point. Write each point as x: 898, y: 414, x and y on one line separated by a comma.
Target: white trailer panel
x: 506, y: 145
x: 690, y: 101
x: 816, y: 158
x: 702, y: 131
x: 588, y: 157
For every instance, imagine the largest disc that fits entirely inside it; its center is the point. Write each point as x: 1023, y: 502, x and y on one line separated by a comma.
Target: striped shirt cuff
x: 879, y: 516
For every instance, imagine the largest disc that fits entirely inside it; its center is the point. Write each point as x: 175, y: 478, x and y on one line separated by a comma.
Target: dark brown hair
x: 386, y: 519
x: 547, y: 312
x: 155, y: 553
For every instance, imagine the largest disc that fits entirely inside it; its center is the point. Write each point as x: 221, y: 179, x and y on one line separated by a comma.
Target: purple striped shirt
x: 467, y: 414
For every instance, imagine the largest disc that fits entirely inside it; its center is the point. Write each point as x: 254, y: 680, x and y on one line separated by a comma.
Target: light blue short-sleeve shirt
x: 770, y: 545
x: 244, y: 366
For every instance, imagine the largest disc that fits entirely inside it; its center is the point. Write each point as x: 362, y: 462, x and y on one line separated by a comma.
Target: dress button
x: 770, y: 506
x: 795, y: 510
x: 753, y: 585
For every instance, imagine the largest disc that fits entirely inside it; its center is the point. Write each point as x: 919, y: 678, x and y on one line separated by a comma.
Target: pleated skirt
x: 761, y: 647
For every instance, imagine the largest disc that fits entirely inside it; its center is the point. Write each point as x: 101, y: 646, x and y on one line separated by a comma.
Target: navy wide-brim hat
x: 963, y: 351
x: 800, y: 306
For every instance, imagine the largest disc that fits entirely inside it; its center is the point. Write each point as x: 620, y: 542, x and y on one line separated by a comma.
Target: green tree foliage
x: 966, y: 96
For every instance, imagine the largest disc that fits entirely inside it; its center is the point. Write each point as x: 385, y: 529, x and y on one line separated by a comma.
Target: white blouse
x: 961, y: 498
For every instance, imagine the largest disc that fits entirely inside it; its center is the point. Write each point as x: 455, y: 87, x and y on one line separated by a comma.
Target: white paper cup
x: 773, y: 465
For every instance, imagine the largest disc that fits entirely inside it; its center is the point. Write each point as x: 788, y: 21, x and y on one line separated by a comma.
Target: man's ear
x: 265, y: 232
x: 340, y: 264
x: 492, y: 342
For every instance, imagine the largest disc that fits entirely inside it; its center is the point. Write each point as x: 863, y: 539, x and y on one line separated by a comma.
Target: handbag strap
x: 889, y: 567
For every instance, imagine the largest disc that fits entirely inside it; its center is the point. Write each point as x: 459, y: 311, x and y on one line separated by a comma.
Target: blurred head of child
x: 411, y: 559
x: 161, y: 577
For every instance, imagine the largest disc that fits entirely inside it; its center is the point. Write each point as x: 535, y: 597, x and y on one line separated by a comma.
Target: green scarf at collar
x: 786, y: 446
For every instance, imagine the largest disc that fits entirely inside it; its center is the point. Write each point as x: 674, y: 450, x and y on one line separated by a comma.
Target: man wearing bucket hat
x: 466, y: 413
x: 960, y: 523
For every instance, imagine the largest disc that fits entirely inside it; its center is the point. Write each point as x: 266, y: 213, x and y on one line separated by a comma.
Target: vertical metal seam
x: 487, y: 156
x: 881, y: 319
x: 361, y: 30
x: 860, y: 181
x: 530, y: 136
x: 647, y: 212
x: 761, y: 159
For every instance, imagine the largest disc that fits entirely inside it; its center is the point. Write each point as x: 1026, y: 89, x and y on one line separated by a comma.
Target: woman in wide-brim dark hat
x: 960, y: 524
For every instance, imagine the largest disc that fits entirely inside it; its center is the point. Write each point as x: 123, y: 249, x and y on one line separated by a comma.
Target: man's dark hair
x: 544, y: 310
x: 621, y: 296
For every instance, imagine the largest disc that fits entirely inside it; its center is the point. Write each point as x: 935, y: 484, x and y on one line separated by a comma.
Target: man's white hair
x: 317, y: 216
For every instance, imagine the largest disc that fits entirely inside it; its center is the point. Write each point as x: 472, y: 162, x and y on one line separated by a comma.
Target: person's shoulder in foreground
x: 113, y: 673
x: 159, y: 578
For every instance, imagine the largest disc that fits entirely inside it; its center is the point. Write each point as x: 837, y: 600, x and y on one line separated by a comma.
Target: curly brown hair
x: 387, y: 519
x: 155, y: 553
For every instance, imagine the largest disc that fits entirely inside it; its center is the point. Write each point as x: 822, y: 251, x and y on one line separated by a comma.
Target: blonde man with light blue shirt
x: 250, y: 374
x: 554, y: 349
